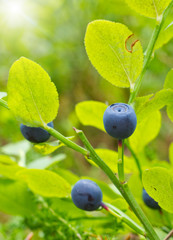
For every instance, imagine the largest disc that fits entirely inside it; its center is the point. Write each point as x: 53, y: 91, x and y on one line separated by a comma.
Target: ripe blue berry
x: 149, y: 201
x: 35, y: 134
x: 119, y: 120
x: 86, y: 195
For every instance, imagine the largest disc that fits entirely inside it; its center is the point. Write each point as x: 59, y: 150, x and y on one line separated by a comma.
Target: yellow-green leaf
x: 90, y: 113
x: 168, y: 84
x: 140, y: 101
x: 158, y: 182
x: 15, y: 198
x: 169, y: 80
x: 45, y: 183
x: 136, y: 187
x: 47, y: 148
x: 32, y: 97
x: 171, y: 153
x: 165, y: 36
x: 146, y: 131
x: 158, y: 101
x: 105, y: 43
x: 111, y: 157
x: 149, y: 8
x: 70, y: 177
x: 170, y: 111
x: 8, y: 168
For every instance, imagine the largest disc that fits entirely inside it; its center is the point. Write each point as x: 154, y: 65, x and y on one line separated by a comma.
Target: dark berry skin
x: 86, y: 195
x: 35, y: 134
x: 119, y: 120
x: 149, y: 201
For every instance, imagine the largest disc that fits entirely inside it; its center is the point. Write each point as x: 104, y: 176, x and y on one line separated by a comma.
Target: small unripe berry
x: 86, y: 195
x: 149, y: 201
x: 35, y: 134
x: 119, y: 120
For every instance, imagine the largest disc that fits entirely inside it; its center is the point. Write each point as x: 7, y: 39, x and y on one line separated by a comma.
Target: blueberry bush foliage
x: 35, y: 187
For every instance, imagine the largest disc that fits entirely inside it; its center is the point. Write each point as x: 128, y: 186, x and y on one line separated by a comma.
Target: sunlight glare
x: 15, y: 8
x: 13, y: 11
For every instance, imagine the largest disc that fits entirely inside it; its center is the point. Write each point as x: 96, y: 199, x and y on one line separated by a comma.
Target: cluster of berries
x: 120, y: 122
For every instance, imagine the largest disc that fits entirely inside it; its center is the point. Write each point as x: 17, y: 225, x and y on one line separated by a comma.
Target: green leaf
x: 171, y: 153
x: 161, y: 233
x: 32, y: 97
x: 140, y: 102
x: 46, y: 162
x: 146, y: 131
x: 153, y: 216
x: 111, y: 157
x: 45, y: 183
x: 149, y: 8
x: 165, y: 36
x: 168, y: 81
x: 170, y: 112
x: 158, y: 101
x: 90, y: 113
x: 120, y: 203
x: 3, y: 94
x: 8, y: 168
x: 105, y: 43
x: 168, y: 84
x: 15, y: 198
x: 48, y: 147
x: 66, y: 207
x: 136, y: 187
x: 70, y: 177
x: 158, y: 182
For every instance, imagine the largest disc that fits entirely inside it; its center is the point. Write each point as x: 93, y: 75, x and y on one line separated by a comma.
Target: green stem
x: 149, y: 52
x: 123, y: 188
x: 135, y: 158
x: 65, y: 140
x: 140, y: 214
x: 121, y: 160
x: 126, y: 219
x: 3, y: 103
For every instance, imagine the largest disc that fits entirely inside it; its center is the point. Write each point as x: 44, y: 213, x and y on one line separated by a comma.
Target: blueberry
x: 86, y: 195
x: 119, y: 120
x: 35, y: 134
x: 149, y: 201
